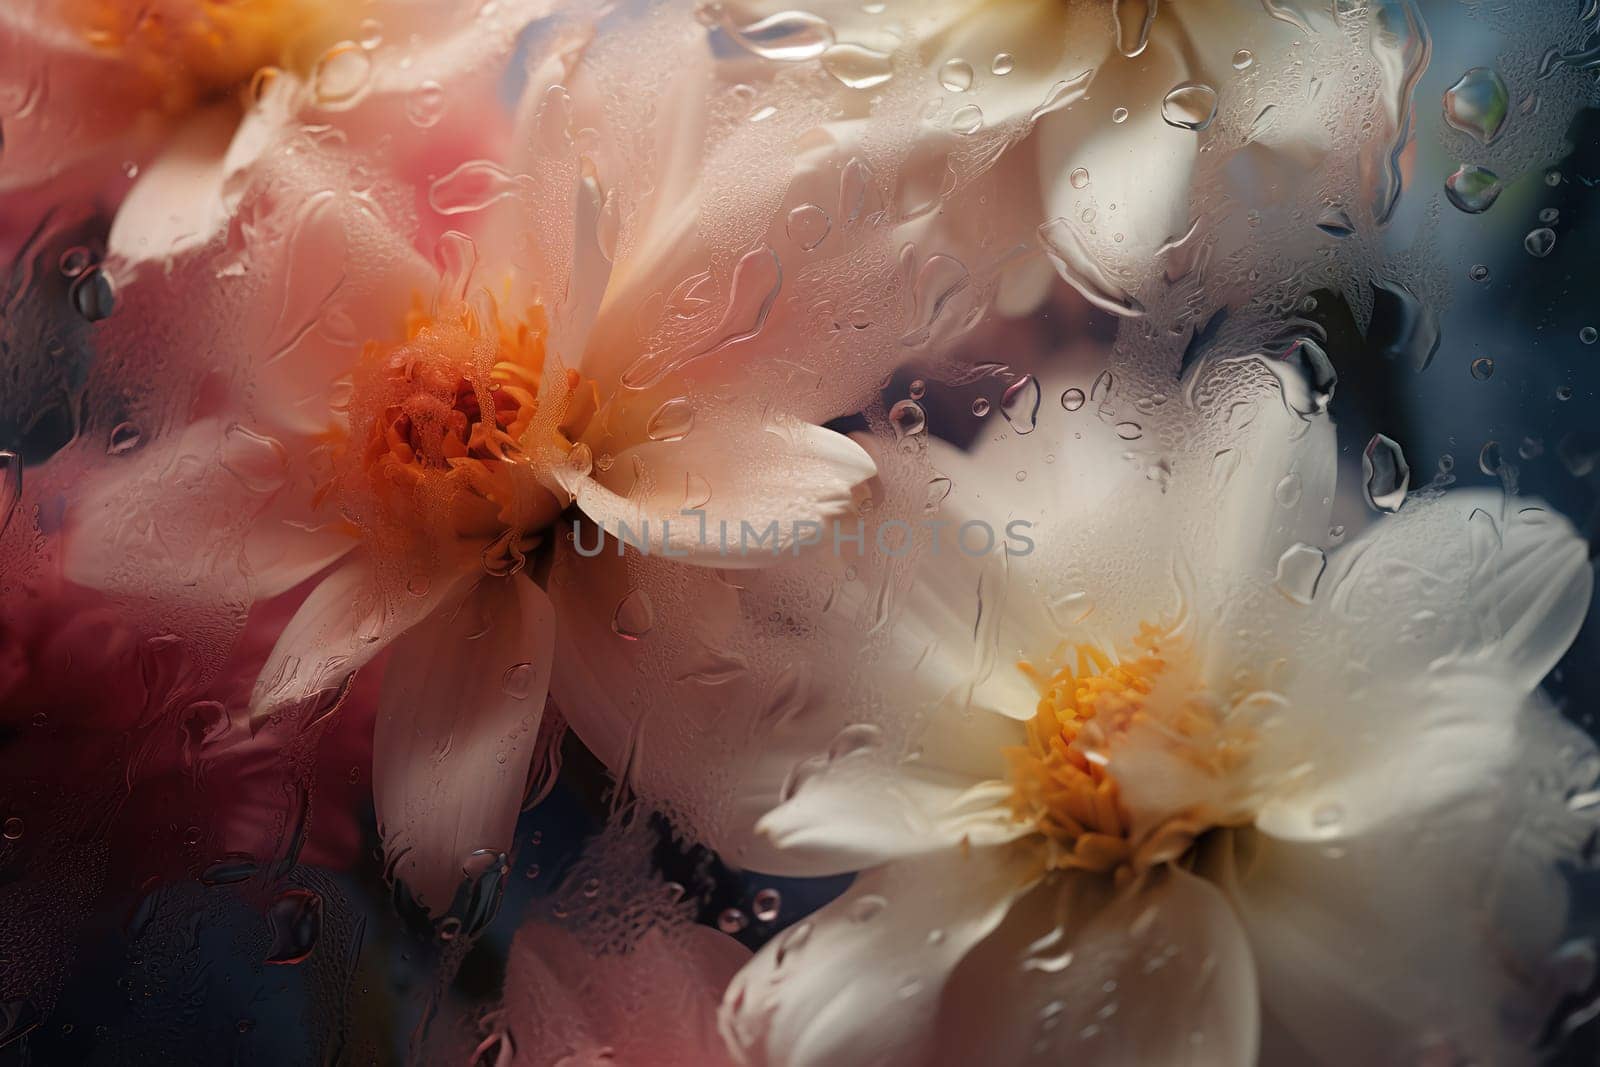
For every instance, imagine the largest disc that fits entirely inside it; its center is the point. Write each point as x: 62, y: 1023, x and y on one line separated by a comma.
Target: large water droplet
x: 1477, y: 104
x: 788, y: 36
x: 1190, y: 106
x: 1299, y: 570
x: 260, y: 463
x: 956, y: 75
x: 1540, y: 242
x: 94, y: 295
x: 1134, y: 19
x: 472, y: 186
x: 1473, y: 189
x: 857, y: 66
x: 908, y: 419
x: 1402, y: 326
x: 1385, y: 474
x: 635, y: 616
x: 295, y: 921
x: 808, y: 226
x: 672, y: 421
x: 341, y: 75
x: 1020, y: 404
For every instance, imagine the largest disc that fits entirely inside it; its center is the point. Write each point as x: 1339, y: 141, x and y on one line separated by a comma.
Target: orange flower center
x: 456, y: 424
x: 1062, y: 779
x: 190, y: 50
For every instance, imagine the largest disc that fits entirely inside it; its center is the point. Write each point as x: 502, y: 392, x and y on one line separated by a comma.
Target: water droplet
x: 908, y: 419
x: 125, y: 437
x: 1299, y: 570
x: 1327, y: 816
x: 1190, y: 106
x: 766, y: 905
x: 259, y: 462
x: 1563, y: 392
x: 1004, y: 63
x: 1385, y: 474
x: 295, y: 921
x: 1483, y: 368
x: 634, y: 617
x: 1242, y: 59
x: 1289, y: 490
x: 1402, y: 326
x: 1063, y: 94
x: 1588, y: 335
x: 425, y: 105
x: 808, y: 226
x: 980, y: 407
x: 12, y: 830
x: 94, y: 295
x: 472, y: 186
x: 1119, y: 115
x: 75, y: 260
x: 732, y: 920
x: 672, y: 421
x: 341, y: 74
x: 1549, y: 215
x: 788, y: 36
x: 1490, y: 459
x: 867, y: 908
x: 1477, y: 104
x: 1020, y: 404
x: 917, y: 389
x: 967, y: 120
x: 1540, y: 242
x: 1335, y: 221
x: 1134, y: 19
x: 1473, y: 189
x: 857, y: 66
x: 1478, y: 272
x: 1079, y: 178
x: 956, y: 75
x: 1129, y: 431
x: 517, y: 682
x: 1072, y: 399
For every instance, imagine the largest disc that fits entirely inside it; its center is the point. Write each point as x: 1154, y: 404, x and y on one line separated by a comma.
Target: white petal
x: 765, y: 493
x: 860, y: 981
x: 457, y: 719
x: 1157, y: 972
x: 1426, y: 917
x: 1470, y: 578
x: 343, y: 623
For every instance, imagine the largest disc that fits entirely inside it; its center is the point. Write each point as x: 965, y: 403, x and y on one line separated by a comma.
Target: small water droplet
x: 1129, y: 431
x: 980, y: 407
x: 967, y: 120
x: 1004, y: 63
x: 425, y: 105
x: 125, y: 437
x: 867, y: 908
x: 517, y: 682
x: 1299, y: 570
x: 1540, y: 242
x: 1478, y: 272
x: 12, y: 830
x: 1119, y: 115
x: 1073, y: 399
x: 1490, y: 458
x: 295, y: 921
x: 1483, y: 368
x: 94, y: 295
x: 766, y: 905
x: 1385, y: 474
x: 732, y: 920
x: 75, y: 260
x: 1242, y: 59
x: 1588, y: 335
x: 1079, y: 178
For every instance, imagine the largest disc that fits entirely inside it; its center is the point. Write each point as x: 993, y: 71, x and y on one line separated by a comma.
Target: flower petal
x: 861, y: 981
x: 1082, y: 973
x: 764, y: 492
x: 457, y: 720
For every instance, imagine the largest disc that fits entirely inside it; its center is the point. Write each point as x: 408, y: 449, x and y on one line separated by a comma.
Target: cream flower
x: 1181, y: 787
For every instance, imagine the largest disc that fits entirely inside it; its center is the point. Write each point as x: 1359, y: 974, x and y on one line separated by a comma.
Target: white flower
x: 1177, y: 788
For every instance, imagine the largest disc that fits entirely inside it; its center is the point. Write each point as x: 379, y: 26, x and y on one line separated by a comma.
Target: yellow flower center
x: 455, y: 426
x: 1062, y: 780
x: 190, y: 50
